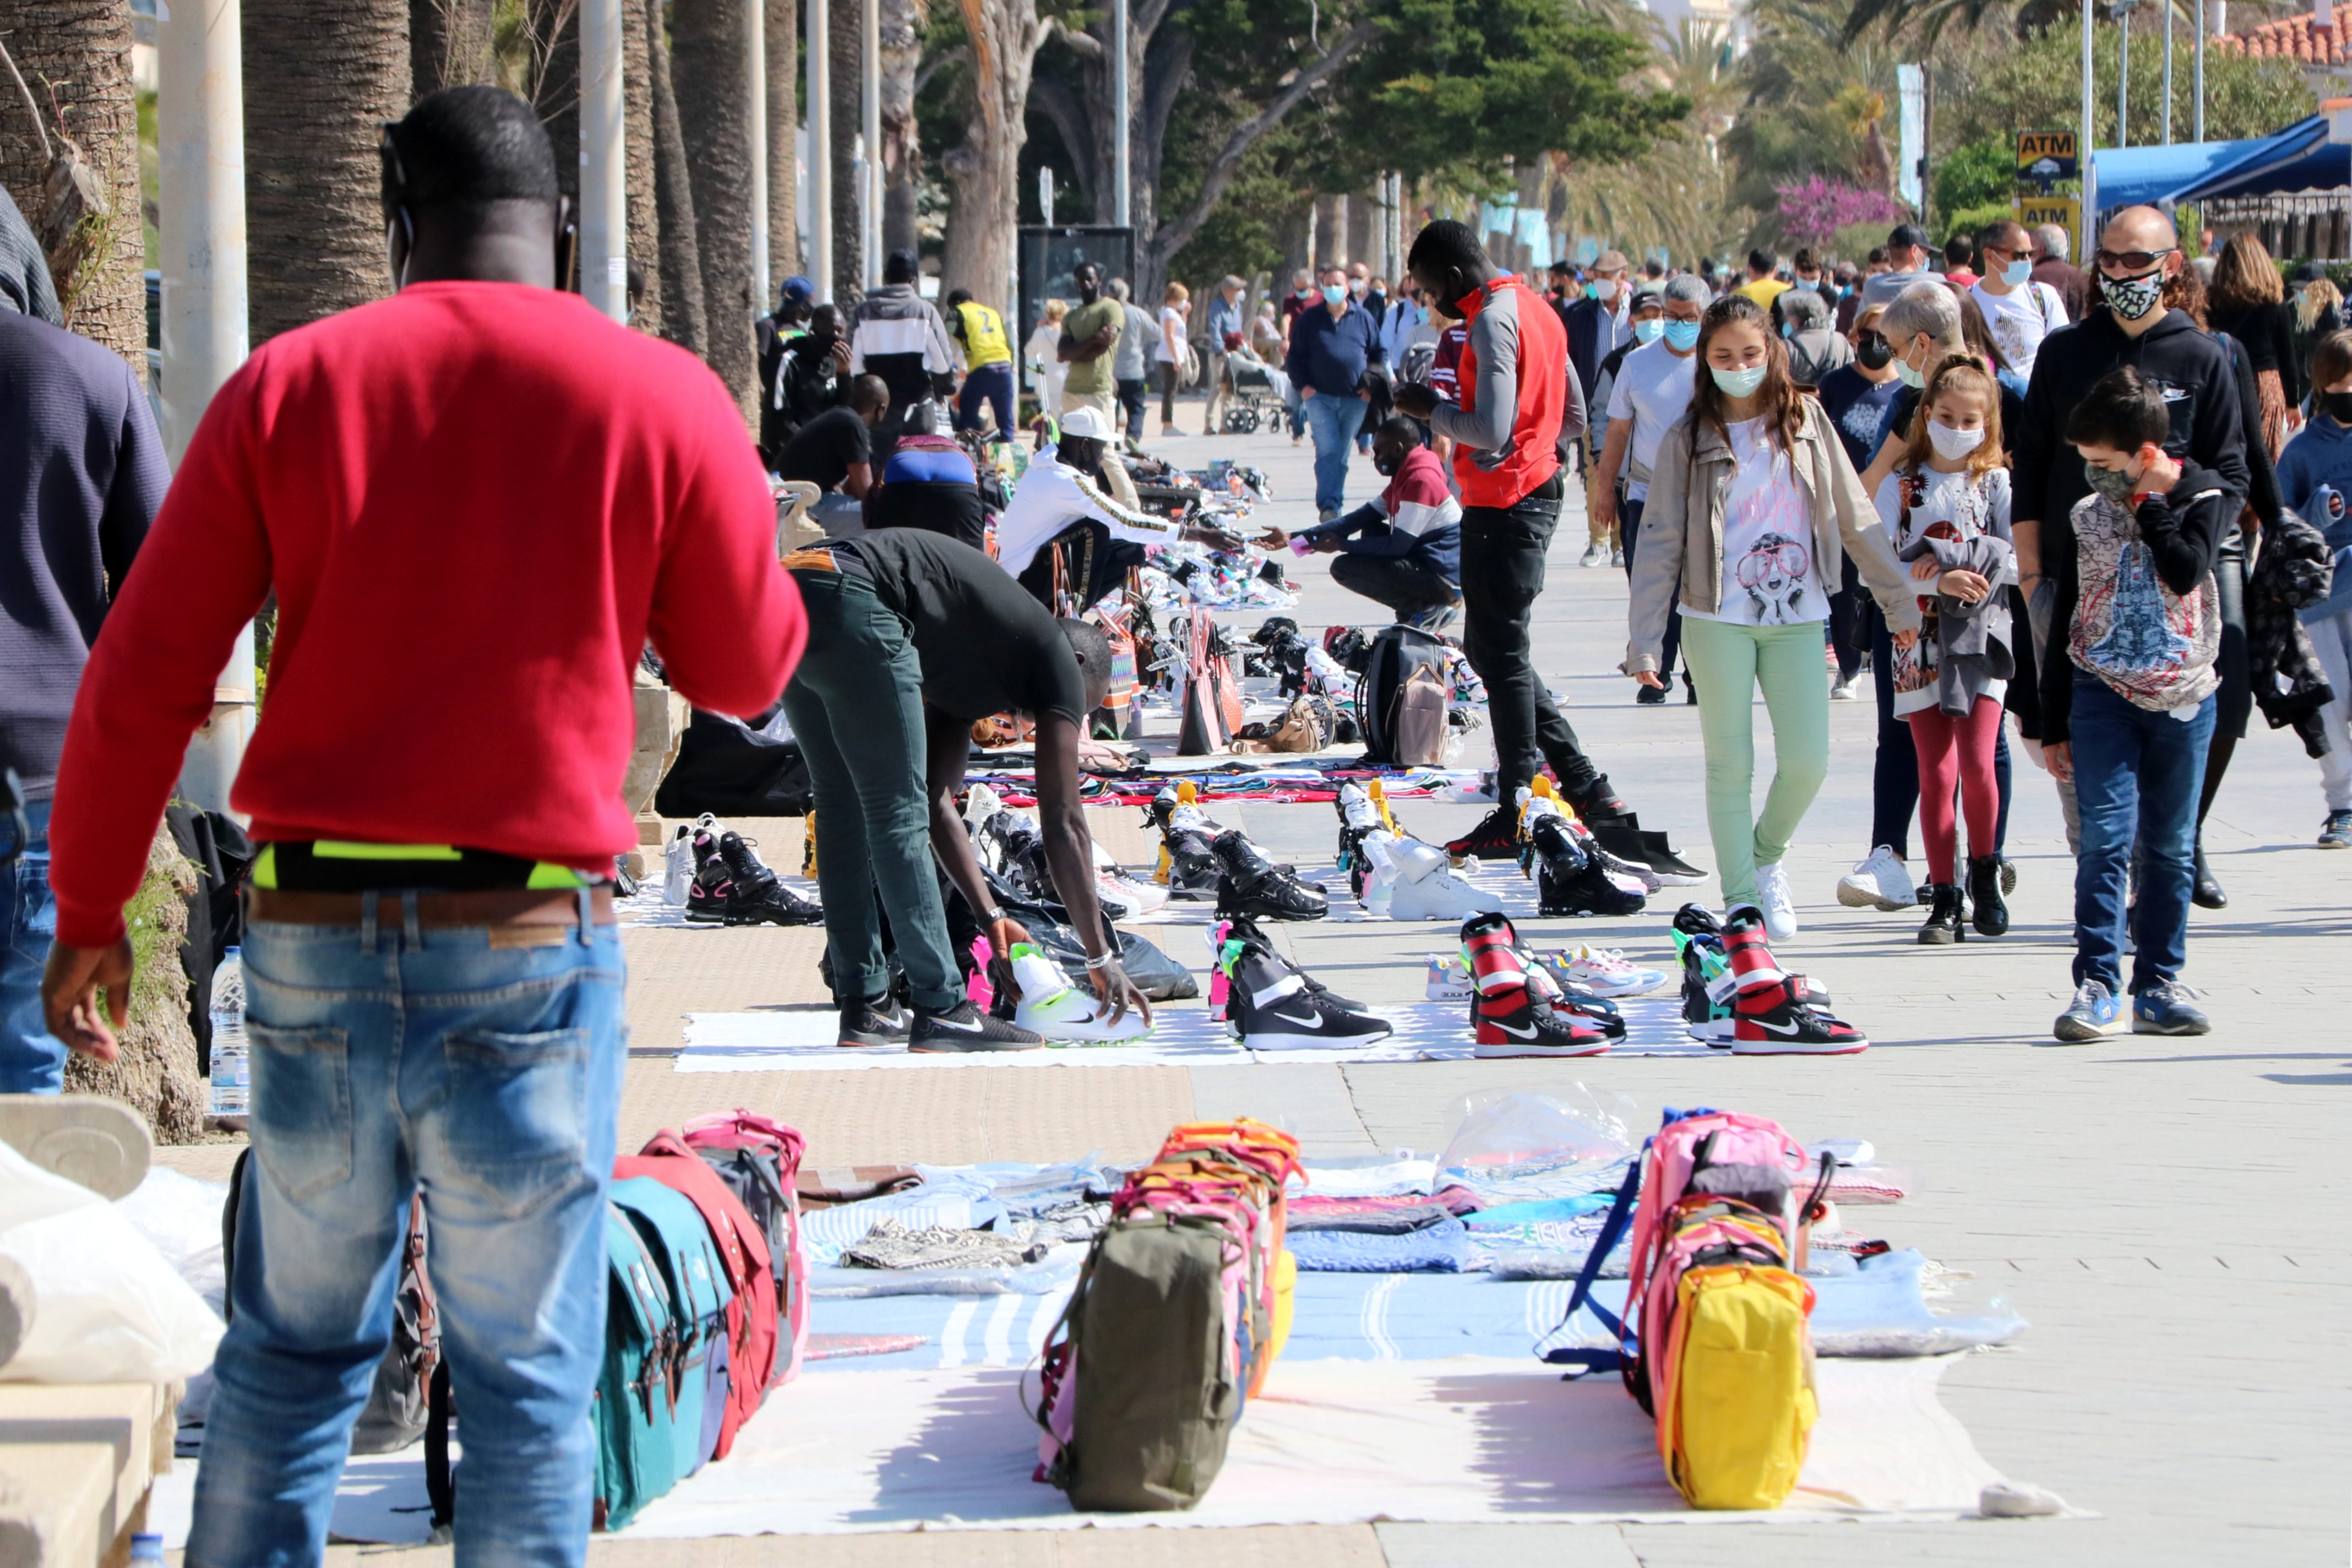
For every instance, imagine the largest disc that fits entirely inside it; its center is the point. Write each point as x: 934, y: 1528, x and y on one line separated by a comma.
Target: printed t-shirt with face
x: 1769, y: 577
x: 2020, y: 319
x: 957, y: 602
x: 1092, y: 375
x: 826, y: 447
x: 1653, y: 390
x: 1958, y: 507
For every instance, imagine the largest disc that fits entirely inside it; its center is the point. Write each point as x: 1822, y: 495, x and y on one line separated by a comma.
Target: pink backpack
x: 759, y: 1160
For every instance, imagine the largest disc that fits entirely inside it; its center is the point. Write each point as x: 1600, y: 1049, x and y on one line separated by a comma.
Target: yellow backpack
x: 1733, y: 1426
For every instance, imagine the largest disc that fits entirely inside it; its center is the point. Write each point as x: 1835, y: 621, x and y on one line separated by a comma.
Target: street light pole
x: 818, y: 51
x: 200, y: 109
x: 2122, y: 76
x: 869, y: 211
x: 1121, y: 197
x: 2085, y: 141
x: 604, y: 167
x: 755, y: 49
x: 2196, y: 74
x: 2167, y: 71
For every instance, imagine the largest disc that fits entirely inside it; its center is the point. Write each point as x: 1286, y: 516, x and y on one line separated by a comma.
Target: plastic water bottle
x: 232, y: 1082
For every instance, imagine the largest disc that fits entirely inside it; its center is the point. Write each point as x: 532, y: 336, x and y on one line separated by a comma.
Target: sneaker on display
x: 1227, y: 937
x: 1276, y: 1009
x: 965, y: 1028
x: 1188, y: 862
x: 1358, y: 815
x: 678, y: 864
x: 1253, y: 885
x: 707, y: 889
x: 980, y: 804
x: 755, y: 896
x: 2164, y: 1009
x: 2093, y: 1012
x: 1772, y: 896
x: 873, y: 1023
x: 1706, y: 989
x: 1420, y: 887
x: 1053, y: 1009
x: 1774, y: 1020
x: 1878, y: 880
x: 1516, y: 1024
x: 1448, y: 979
x: 1672, y: 869
x: 1495, y: 837
x: 1604, y: 971
x: 1572, y: 875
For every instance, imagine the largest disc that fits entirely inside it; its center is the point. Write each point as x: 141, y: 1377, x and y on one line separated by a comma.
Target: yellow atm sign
x: 2046, y: 155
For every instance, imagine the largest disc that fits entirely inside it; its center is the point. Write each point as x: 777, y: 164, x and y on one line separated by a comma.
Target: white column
x: 870, y: 60
x: 1122, y: 207
x: 755, y: 46
x: 200, y: 104
x: 818, y: 51
x: 2084, y: 143
x: 604, y: 165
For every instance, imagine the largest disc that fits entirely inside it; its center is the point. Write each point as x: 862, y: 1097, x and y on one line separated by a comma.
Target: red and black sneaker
x: 1490, y: 946
x: 1516, y: 1022
x: 1768, y: 1020
x: 1752, y: 962
x: 1496, y: 837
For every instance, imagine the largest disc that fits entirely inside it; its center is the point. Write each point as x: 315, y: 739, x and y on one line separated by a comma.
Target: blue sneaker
x: 2164, y: 1009
x: 2337, y: 833
x: 2096, y: 1011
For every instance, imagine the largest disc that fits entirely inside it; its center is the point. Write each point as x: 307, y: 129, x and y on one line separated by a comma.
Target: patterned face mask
x: 2112, y: 483
x: 2132, y: 298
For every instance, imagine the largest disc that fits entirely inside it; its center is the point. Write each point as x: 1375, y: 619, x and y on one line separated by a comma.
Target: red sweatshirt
x: 475, y: 501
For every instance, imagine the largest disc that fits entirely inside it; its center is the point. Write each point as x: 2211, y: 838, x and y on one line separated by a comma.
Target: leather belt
x: 483, y: 907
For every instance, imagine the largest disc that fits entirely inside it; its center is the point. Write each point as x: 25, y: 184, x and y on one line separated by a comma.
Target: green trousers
x: 856, y: 707
x: 1728, y: 662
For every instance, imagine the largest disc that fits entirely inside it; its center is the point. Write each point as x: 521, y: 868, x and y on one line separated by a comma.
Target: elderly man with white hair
x: 1815, y: 347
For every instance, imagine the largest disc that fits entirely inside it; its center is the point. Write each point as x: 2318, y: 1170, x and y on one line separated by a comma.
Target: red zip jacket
x: 1516, y: 395
x: 475, y: 502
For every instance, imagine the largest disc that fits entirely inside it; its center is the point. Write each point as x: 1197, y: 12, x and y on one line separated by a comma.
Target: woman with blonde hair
x: 1043, y: 351
x: 2247, y: 300
x: 1173, y: 357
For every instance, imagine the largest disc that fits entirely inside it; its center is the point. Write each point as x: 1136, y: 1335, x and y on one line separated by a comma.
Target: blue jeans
x: 2137, y: 776
x: 992, y: 384
x: 386, y: 1059
x: 32, y: 1060
x: 1335, y: 417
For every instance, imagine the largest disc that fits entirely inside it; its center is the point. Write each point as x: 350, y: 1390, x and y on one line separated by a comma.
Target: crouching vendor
x: 1404, y: 548
x: 912, y: 636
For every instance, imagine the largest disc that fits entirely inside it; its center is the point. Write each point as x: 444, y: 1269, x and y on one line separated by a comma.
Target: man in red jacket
x: 475, y: 502
x: 1516, y: 402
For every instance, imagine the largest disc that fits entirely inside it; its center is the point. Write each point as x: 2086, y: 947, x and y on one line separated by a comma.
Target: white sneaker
x: 980, y: 803
x: 1123, y: 896
x: 1604, y: 970
x: 1878, y: 880
x: 1617, y: 556
x: 677, y: 866
x: 1420, y: 886
x: 1772, y: 898
x: 1053, y: 1009
x: 1448, y: 980
x: 1595, y: 554
x: 1842, y: 690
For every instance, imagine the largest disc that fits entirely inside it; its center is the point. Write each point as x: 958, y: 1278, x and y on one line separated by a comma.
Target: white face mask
x: 1952, y: 445
x: 1604, y: 290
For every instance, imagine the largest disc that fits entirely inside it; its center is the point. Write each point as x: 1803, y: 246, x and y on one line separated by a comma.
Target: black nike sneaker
x: 1254, y: 887
x: 1598, y: 804
x: 707, y: 894
x: 1573, y: 878
x: 1243, y: 929
x: 965, y: 1028
x: 1187, y: 856
x: 1272, y: 1008
x: 754, y: 894
x: 873, y: 1023
x: 1496, y: 837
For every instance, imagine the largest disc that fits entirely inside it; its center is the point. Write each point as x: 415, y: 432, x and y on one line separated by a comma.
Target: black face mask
x: 1873, y: 353
x: 2336, y: 405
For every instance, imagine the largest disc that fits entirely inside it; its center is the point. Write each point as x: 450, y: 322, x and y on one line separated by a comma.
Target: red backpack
x: 742, y: 1251
x: 759, y: 1160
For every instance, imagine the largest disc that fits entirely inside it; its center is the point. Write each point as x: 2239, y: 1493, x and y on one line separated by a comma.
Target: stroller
x: 1260, y: 393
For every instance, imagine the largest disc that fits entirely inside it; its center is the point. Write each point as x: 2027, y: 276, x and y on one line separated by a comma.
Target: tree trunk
x: 783, y: 141
x: 155, y: 1074
x: 555, y: 84
x: 75, y: 56
x: 983, y: 170
x: 710, y: 39
x: 902, y: 152
x: 449, y: 44
x: 684, y: 321
x: 318, y: 81
x: 637, y: 143
x: 845, y: 21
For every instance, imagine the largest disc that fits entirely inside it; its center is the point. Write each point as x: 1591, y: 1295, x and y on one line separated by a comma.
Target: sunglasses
x: 2131, y: 260
x: 1759, y: 564
x: 1870, y: 341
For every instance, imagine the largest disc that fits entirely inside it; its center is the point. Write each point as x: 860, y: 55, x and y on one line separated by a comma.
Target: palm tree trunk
x: 555, y: 83
x: 708, y: 36
x: 319, y: 81
x: 637, y: 141
x: 845, y: 22
x: 449, y: 43
x: 75, y: 56
x: 983, y: 170
x: 902, y: 152
x: 683, y: 318
x: 784, y: 32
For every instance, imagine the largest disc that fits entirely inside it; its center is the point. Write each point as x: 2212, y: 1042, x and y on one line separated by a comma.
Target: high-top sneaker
x: 707, y: 894
x: 1054, y: 1009
x: 1244, y: 930
x: 1576, y: 1005
x: 1188, y: 863
x: 1775, y: 1014
x: 1598, y: 804
x: 1513, y: 1018
x: 1220, y: 983
x: 755, y: 896
x: 679, y: 863
x: 1490, y: 948
x: 1496, y: 837
x: 1277, y: 1011
x: 1572, y: 880
x: 1252, y: 884
x: 1358, y: 816
x: 1707, y: 988
x: 1418, y: 886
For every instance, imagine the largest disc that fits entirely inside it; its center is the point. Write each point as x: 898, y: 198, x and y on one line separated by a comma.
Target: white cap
x: 1087, y: 422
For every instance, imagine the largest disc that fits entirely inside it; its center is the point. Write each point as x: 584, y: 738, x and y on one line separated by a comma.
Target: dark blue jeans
x: 1334, y: 417
x: 389, y: 1058
x: 2136, y: 779
x: 990, y: 384
x: 32, y: 1060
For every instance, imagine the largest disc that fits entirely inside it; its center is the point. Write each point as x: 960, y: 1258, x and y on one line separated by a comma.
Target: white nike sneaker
x: 1604, y: 970
x: 1051, y: 1007
x: 1772, y: 898
x: 1878, y: 880
x: 1448, y: 980
x: 1123, y: 896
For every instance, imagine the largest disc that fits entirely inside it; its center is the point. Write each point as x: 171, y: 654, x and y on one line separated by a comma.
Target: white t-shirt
x: 1653, y: 389
x: 2020, y: 319
x: 1172, y: 336
x: 1770, y: 576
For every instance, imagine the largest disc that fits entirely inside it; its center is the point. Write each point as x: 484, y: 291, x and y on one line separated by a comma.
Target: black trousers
x: 1395, y: 581
x: 1502, y: 575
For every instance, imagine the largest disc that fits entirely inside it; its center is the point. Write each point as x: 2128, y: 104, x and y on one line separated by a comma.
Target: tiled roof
x: 2296, y: 37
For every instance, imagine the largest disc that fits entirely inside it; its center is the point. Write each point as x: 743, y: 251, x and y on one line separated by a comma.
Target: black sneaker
x: 1272, y: 1009
x: 874, y: 1023
x: 1573, y: 878
x: 1650, y: 696
x: 1672, y: 868
x: 1192, y: 870
x: 1254, y: 887
x: 1598, y: 804
x: 1495, y: 837
x: 1243, y: 929
x: 754, y: 895
x: 965, y: 1028
x: 707, y: 894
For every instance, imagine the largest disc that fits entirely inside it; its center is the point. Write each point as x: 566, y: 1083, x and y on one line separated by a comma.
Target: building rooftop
x: 2304, y: 38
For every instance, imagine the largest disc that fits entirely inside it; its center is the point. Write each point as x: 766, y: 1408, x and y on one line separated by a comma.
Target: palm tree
x: 76, y: 111
x: 983, y: 170
x: 784, y: 31
x: 709, y: 39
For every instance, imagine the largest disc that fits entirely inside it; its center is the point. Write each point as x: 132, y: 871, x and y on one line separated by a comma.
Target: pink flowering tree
x: 1814, y: 210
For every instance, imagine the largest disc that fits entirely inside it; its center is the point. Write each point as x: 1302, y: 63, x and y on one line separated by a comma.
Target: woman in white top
x: 1043, y: 351
x: 1175, y: 351
x: 1752, y: 506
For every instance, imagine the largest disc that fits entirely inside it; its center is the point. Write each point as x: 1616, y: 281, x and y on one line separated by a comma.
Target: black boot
x: 1984, y: 894
x: 2204, y: 891
x: 1252, y: 884
x: 1944, y: 915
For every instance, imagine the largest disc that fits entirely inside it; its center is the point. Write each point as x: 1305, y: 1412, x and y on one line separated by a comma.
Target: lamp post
x: 1121, y: 197
x: 603, y: 169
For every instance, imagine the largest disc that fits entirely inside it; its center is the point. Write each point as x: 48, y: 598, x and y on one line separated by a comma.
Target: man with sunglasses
x: 475, y: 502
x: 2019, y: 312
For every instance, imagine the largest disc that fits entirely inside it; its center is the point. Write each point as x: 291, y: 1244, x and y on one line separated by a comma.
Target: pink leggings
x: 1956, y: 752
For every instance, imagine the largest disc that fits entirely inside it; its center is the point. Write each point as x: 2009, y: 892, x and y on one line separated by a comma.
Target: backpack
x: 635, y: 1409
x: 759, y: 1160
x: 743, y: 1258
x: 1403, y: 673
x: 698, y: 1297
x: 1715, y: 1343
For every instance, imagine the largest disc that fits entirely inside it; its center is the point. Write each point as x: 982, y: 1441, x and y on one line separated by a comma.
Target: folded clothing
x: 1400, y: 1177
x: 946, y: 1199
x: 1074, y: 1219
x: 1380, y: 1216
x: 892, y: 1244
x: 1442, y: 1248
x: 1535, y: 1211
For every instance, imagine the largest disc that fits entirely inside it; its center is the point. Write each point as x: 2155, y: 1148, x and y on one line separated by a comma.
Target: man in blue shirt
x: 1332, y: 344
x: 1224, y: 326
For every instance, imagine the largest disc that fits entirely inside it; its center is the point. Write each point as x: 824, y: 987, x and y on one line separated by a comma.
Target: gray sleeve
x: 1495, y: 341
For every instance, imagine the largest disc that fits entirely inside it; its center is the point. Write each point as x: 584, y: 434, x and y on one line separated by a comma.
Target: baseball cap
x: 1087, y: 422
x: 797, y: 288
x: 1908, y: 236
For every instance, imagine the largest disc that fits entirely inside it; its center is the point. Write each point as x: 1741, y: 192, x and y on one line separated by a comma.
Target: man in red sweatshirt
x: 1404, y: 548
x: 475, y: 502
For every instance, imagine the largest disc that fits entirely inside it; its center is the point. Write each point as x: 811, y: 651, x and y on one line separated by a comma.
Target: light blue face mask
x: 1648, y: 332
x: 1335, y: 294
x: 1737, y: 383
x: 1811, y: 286
x: 2017, y: 273
x: 1682, y: 336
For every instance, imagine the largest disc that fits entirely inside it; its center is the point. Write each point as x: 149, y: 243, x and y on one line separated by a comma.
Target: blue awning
x: 2298, y: 158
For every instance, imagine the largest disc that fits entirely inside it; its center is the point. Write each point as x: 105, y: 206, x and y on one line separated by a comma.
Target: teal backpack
x: 674, y: 1232
x: 638, y: 1436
